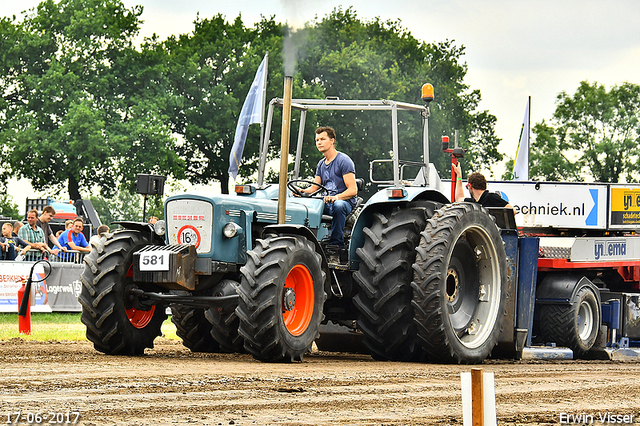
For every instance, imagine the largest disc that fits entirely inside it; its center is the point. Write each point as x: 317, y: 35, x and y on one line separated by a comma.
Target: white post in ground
x: 478, y: 398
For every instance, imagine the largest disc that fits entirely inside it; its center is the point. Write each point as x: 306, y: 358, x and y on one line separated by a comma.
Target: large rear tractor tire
x: 281, y: 298
x: 384, y: 280
x: 113, y: 324
x: 194, y: 329
x: 225, y: 322
x: 575, y: 326
x: 460, y: 285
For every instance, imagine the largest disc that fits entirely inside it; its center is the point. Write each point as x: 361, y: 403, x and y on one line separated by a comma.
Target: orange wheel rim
x: 137, y: 317
x: 140, y: 318
x: 298, y: 318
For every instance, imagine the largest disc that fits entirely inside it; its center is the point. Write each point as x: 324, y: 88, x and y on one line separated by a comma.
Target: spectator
x: 102, y: 229
x: 68, y: 224
x: 43, y: 222
x: 9, y: 243
x: 74, y: 239
x: 33, y: 235
x: 477, y: 187
x: 58, y: 233
x: 153, y: 220
x: 16, y: 227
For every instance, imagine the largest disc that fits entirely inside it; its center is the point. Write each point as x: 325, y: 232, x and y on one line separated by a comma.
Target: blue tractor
x: 421, y: 279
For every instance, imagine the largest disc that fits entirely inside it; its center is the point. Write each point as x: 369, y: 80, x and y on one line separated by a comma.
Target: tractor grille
x: 261, y: 216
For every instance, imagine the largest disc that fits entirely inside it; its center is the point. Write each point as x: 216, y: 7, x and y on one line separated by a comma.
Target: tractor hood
x: 199, y: 219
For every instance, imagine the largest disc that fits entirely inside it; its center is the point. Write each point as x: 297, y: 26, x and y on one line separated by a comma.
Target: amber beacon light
x: 427, y: 92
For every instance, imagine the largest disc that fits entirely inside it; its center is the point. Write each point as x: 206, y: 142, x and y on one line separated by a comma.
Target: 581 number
x: 154, y: 261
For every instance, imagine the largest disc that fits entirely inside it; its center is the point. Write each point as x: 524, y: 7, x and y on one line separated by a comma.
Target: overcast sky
x: 514, y: 49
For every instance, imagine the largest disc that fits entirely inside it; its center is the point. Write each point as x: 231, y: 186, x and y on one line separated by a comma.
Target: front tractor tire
x: 460, y: 285
x: 281, y: 298
x: 113, y: 324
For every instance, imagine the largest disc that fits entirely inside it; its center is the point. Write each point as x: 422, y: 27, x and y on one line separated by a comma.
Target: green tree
x: 356, y: 59
x: 7, y: 207
x: 548, y: 156
x: 211, y: 71
x: 123, y: 206
x: 81, y: 104
x: 127, y: 206
x: 212, y: 68
x: 595, y: 134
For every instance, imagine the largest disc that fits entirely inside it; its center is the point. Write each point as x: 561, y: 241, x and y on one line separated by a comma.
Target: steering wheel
x: 300, y: 193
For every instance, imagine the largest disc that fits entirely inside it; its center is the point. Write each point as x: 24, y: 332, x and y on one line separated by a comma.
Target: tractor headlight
x: 160, y: 228
x: 231, y: 229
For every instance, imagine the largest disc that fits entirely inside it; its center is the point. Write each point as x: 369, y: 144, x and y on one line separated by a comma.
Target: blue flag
x: 251, y: 113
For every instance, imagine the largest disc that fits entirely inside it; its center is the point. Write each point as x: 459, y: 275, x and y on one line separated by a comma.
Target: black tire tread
x: 194, y: 329
x: 224, y: 329
x: 558, y: 324
x: 259, y: 322
x: 427, y: 301
x: 384, y: 296
x: 102, y: 300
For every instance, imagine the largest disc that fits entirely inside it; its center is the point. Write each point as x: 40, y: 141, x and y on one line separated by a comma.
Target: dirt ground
x: 172, y: 386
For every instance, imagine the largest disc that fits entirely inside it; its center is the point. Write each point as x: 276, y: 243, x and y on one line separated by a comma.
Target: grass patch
x: 58, y: 326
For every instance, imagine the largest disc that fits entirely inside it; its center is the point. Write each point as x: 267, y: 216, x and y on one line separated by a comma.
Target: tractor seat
x: 359, y: 201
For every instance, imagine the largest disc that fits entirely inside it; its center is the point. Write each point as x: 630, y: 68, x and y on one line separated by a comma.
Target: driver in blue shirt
x: 337, y: 173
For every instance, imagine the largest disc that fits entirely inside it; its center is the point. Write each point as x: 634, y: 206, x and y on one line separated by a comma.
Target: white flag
x: 521, y: 163
x: 252, y: 111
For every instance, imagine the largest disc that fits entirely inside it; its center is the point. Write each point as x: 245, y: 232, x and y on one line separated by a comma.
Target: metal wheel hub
x: 453, y: 284
x: 585, y: 320
x: 288, y: 299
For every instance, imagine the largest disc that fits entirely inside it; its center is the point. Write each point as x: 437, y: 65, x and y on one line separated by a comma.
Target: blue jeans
x: 339, y: 210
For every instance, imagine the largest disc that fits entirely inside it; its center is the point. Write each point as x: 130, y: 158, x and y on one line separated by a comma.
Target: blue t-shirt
x: 14, y: 241
x: 331, y: 174
x: 78, y: 240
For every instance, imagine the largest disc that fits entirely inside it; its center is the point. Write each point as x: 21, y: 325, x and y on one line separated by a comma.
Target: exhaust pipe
x: 284, y: 148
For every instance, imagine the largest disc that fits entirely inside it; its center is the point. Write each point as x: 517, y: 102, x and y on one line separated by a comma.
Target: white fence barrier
x: 58, y: 293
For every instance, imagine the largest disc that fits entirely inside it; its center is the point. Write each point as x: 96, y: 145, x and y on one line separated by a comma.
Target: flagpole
x: 529, y: 137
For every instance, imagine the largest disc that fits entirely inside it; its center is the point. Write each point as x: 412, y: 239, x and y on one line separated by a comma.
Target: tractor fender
x: 305, y: 232
x: 144, y: 228
x: 381, y: 200
x: 562, y: 289
x: 411, y: 193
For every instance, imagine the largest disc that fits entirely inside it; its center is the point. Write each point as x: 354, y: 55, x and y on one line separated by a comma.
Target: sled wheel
x: 575, y: 326
x: 281, y: 298
x: 460, y: 284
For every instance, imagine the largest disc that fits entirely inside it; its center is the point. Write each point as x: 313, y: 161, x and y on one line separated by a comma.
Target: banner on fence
x: 58, y: 293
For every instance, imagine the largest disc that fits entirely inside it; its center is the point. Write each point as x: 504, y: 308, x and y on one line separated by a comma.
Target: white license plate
x: 154, y: 261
